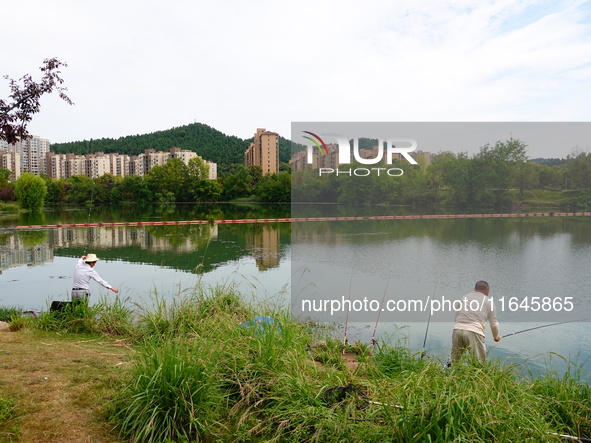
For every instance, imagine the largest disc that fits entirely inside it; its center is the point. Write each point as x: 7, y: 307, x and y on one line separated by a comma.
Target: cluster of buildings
x: 98, y: 164
x: 299, y: 161
x: 33, y: 155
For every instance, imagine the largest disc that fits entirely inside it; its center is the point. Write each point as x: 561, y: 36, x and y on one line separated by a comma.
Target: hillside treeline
x: 209, y: 143
x: 496, y: 175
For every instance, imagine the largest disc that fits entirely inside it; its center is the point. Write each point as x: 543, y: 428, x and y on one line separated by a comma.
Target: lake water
x: 393, y: 259
x: 37, y: 264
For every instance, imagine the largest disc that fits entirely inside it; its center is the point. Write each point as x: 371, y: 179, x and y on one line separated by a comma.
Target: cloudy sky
x: 136, y: 67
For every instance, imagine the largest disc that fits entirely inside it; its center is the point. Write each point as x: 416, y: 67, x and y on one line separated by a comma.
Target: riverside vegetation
x: 194, y: 367
x: 498, y: 175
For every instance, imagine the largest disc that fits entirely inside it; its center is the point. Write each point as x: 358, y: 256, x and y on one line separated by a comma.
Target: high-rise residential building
x: 153, y: 158
x: 264, y: 152
x: 74, y: 165
x: 32, y: 152
x: 12, y: 162
x: 119, y: 164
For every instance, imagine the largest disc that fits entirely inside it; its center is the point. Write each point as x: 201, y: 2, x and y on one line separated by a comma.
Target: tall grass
x: 566, y: 401
x: 114, y: 317
x: 265, y: 382
x: 174, y: 395
x: 7, y: 313
x: 205, y: 370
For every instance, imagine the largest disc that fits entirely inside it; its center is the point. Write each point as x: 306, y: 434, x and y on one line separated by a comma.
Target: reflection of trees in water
x: 135, y: 213
x: 194, y: 248
x: 499, y: 232
x: 197, y: 235
x: 32, y: 218
x: 32, y: 238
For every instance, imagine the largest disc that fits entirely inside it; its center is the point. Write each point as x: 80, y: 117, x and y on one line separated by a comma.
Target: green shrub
x: 7, y: 313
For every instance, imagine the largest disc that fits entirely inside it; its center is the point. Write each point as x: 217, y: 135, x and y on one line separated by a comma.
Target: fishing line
x: 379, y: 313
x: 88, y: 222
x: 543, y: 326
x: 424, y: 352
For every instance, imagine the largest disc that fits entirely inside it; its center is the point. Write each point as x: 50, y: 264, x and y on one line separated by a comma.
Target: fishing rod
x: 345, y: 338
x: 379, y: 313
x: 424, y: 353
x: 89, y: 211
x: 539, y: 327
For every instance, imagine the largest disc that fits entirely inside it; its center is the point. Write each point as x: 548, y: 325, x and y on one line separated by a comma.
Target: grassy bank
x: 545, y: 198
x: 198, y: 367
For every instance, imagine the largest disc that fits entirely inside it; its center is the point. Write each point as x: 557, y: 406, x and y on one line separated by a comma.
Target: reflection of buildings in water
x: 14, y: 253
x: 264, y: 245
x: 117, y: 237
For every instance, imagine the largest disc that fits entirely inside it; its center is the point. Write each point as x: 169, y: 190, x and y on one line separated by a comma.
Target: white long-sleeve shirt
x: 477, y: 309
x: 82, y: 275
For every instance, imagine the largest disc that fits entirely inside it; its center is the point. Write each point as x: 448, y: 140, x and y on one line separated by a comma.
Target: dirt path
x: 60, y: 384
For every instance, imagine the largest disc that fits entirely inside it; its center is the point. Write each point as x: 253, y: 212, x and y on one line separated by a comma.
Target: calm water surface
x: 519, y: 257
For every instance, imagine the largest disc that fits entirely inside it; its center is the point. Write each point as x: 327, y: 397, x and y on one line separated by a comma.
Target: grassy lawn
x: 544, y: 197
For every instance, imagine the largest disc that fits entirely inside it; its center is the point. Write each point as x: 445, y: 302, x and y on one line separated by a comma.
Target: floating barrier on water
x: 308, y: 219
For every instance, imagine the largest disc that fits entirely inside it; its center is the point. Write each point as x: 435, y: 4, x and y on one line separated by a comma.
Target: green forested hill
x: 206, y: 141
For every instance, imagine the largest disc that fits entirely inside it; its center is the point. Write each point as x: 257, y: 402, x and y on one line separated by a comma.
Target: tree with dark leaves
x: 23, y: 102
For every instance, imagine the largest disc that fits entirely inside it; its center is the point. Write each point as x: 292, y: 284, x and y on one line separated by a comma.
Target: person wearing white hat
x: 82, y: 275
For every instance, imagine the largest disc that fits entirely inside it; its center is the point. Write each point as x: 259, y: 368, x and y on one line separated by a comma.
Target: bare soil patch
x: 61, y: 385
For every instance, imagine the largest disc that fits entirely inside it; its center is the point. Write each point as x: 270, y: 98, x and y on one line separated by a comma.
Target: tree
x: 578, y: 171
x: 197, y: 169
x: 30, y: 191
x: 168, y: 182
x: 6, y: 189
x: 526, y: 176
x: 199, y: 187
x: 80, y: 189
x: 496, y: 164
x: 5, y: 175
x: 551, y: 177
x: 275, y: 188
x: 238, y: 184
x: 16, y: 113
x: 135, y: 189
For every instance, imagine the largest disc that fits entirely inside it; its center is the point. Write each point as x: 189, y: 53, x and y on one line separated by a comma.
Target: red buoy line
x: 308, y: 219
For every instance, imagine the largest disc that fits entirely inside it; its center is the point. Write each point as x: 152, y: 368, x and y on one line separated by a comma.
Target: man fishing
x: 470, y: 322
x: 82, y: 275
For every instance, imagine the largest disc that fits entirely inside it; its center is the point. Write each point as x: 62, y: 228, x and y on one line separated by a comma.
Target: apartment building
x: 99, y: 163
x: 12, y: 162
x: 264, y: 152
x: 33, y: 155
x: 31, y: 152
